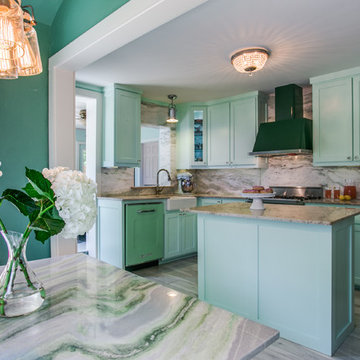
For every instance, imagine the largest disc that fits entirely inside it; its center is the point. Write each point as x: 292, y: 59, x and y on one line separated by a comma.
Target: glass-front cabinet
x: 199, y: 136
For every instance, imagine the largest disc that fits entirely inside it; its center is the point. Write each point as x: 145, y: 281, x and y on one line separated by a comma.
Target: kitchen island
x: 94, y: 310
x: 289, y: 267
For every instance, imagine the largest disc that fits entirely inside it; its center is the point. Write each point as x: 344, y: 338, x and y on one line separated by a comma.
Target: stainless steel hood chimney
x: 290, y: 134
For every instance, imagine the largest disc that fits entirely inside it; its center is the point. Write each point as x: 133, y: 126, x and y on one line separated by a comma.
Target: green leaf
x: 24, y: 203
x: 48, y: 224
x: 42, y: 235
x: 40, y: 184
x: 29, y: 189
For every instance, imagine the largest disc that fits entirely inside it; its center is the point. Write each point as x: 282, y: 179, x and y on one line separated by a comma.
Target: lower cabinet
x: 180, y: 234
x: 357, y: 255
x: 215, y: 201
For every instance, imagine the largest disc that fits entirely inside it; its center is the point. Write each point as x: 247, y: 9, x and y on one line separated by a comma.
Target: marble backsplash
x: 281, y: 171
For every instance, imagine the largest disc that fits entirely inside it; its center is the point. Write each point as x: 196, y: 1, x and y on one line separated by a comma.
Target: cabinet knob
x: 356, y: 157
x: 349, y: 157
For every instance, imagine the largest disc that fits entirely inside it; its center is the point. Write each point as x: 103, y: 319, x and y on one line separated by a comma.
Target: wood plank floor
x: 181, y: 275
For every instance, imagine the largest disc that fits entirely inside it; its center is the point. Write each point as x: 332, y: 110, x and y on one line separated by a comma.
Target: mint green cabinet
x: 218, y: 130
x: 356, y: 117
x: 180, y: 234
x: 243, y: 130
x: 110, y: 232
x: 122, y: 126
x: 336, y: 118
x: 219, y: 133
x: 199, y: 138
x: 144, y: 233
x: 209, y: 201
x: 332, y: 109
x: 357, y: 256
x: 172, y: 246
x: 214, y: 201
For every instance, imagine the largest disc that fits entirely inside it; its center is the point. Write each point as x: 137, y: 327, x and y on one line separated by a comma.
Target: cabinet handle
x: 145, y: 211
x: 356, y: 157
x: 349, y: 157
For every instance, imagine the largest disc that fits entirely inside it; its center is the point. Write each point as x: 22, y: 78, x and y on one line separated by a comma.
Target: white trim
x: 131, y: 21
x: 94, y: 111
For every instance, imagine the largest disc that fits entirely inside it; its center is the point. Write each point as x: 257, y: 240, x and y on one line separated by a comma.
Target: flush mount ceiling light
x: 172, y: 110
x: 250, y: 60
x: 19, y: 48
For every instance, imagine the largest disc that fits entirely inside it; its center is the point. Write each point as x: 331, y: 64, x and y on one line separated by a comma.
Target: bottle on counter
x: 336, y: 192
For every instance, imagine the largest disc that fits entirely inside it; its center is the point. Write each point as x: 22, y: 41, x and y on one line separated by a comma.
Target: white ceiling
x: 189, y: 56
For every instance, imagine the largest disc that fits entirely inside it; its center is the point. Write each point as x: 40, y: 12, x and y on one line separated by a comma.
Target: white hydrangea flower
x: 76, y: 199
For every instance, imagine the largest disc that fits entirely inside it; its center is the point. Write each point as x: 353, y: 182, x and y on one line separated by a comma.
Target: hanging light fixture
x: 250, y: 60
x: 19, y: 47
x: 172, y: 110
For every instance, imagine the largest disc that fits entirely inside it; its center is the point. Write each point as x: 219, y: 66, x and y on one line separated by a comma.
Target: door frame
x: 129, y: 22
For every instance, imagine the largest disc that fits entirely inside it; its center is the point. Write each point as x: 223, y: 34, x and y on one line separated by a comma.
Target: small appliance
x: 185, y: 182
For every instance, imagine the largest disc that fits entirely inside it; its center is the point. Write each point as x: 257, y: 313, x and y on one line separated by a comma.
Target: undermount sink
x: 180, y: 202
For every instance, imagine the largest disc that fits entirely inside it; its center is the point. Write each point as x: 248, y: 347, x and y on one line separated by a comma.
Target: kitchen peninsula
x: 289, y: 267
x: 94, y: 310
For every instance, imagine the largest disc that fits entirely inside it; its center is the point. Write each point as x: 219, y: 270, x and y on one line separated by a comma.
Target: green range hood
x: 290, y: 134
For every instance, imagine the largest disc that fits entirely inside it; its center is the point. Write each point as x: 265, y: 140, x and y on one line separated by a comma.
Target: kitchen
x: 229, y: 178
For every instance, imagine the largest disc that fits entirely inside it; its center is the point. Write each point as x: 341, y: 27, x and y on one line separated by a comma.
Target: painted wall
x: 75, y: 17
x: 24, y: 139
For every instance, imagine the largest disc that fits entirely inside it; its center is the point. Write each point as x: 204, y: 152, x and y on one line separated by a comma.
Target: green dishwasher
x: 144, y: 233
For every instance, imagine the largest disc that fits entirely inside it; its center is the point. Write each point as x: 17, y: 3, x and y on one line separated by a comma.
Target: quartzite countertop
x: 289, y: 213
x: 354, y: 202
x: 96, y: 311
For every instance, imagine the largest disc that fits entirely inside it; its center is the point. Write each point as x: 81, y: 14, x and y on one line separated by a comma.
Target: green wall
x: 75, y: 17
x: 24, y: 139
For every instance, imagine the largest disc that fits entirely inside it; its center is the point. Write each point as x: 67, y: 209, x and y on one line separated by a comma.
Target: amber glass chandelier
x: 19, y: 48
x: 250, y: 60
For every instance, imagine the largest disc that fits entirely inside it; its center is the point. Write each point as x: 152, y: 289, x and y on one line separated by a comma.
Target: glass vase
x: 20, y: 291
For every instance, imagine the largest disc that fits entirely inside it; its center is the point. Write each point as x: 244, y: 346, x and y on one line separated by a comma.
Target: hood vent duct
x: 291, y: 133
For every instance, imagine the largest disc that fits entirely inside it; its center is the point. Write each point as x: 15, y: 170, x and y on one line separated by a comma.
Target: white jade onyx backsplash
x: 281, y: 171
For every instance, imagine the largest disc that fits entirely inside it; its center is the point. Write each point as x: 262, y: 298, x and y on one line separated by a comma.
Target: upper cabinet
x: 336, y: 118
x: 199, y: 141
x: 122, y: 127
x: 219, y: 133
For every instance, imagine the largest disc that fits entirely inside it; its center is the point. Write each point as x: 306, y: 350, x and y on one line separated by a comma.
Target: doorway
x: 88, y: 119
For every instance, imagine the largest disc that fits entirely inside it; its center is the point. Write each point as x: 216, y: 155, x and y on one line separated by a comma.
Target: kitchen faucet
x: 158, y: 188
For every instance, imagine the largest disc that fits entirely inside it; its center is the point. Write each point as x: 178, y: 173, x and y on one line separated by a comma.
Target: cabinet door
x: 218, y: 128
x: 209, y: 201
x: 333, y: 133
x: 127, y: 128
x: 189, y: 233
x: 109, y: 232
x: 144, y: 233
x: 357, y: 255
x: 172, y: 236
x: 243, y: 130
x: 198, y: 116
x: 356, y: 117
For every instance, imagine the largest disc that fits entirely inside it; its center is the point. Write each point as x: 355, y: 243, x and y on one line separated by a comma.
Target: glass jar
x: 328, y: 192
x: 350, y: 189
x: 336, y: 192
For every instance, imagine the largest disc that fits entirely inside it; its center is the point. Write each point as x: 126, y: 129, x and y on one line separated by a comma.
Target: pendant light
x: 19, y: 47
x: 172, y: 110
x: 250, y: 60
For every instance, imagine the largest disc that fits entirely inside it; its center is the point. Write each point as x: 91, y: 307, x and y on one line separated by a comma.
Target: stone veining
x: 96, y: 311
